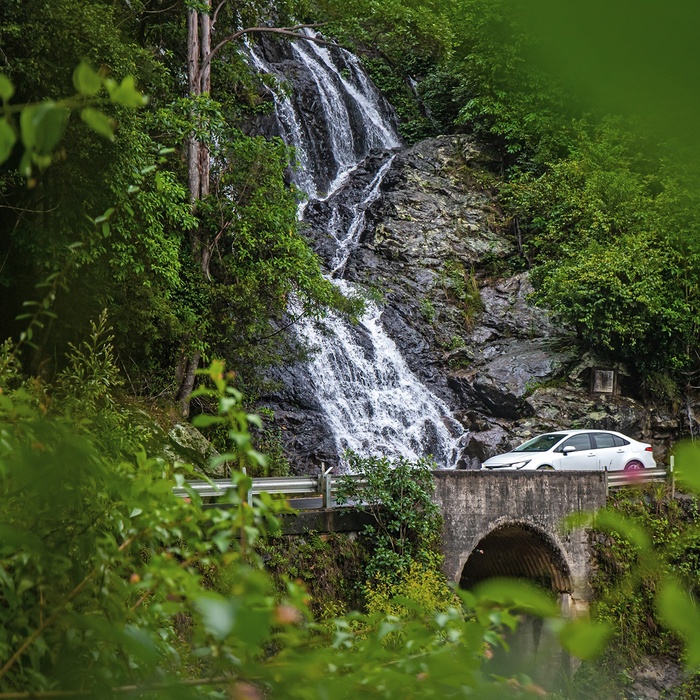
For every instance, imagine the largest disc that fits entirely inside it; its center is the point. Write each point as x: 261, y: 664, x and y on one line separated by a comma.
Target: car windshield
x: 541, y: 443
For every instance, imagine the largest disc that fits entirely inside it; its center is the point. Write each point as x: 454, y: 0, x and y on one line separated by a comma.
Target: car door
x: 610, y: 453
x: 583, y: 457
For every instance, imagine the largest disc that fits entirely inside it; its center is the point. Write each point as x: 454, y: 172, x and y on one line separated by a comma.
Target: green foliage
x: 86, y: 391
x: 42, y: 125
x: 329, y: 567
x: 421, y: 590
x: 407, y: 524
x: 462, y: 290
x: 100, y: 560
x: 427, y: 310
x: 108, y: 580
x: 651, y: 543
x: 602, y: 56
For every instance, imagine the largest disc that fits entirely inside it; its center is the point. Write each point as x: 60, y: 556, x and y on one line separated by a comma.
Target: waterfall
x: 372, y: 402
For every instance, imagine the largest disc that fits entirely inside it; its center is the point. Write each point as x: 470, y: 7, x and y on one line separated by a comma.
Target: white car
x: 589, y: 450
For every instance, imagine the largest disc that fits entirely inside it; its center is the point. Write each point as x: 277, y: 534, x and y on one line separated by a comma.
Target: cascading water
x: 371, y: 400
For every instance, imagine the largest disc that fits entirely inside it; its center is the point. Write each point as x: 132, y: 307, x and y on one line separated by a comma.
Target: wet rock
x: 504, y: 367
x: 499, y: 383
x: 653, y: 677
x: 305, y: 435
x: 483, y: 444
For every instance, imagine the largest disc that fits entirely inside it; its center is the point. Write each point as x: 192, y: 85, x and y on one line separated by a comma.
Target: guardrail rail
x: 660, y: 475
x: 301, y: 492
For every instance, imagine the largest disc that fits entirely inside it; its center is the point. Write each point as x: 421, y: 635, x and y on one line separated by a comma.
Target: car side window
x: 602, y: 440
x: 620, y: 442
x: 580, y: 442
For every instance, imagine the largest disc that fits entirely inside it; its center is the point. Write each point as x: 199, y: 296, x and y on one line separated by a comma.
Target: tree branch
x: 285, y: 31
x: 186, y: 682
x: 216, y: 14
x: 55, y: 615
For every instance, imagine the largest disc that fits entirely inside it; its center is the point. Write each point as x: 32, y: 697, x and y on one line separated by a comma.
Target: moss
x: 330, y: 566
x: 461, y: 289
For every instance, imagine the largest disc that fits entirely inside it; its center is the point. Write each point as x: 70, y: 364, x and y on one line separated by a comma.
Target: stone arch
x: 519, y: 549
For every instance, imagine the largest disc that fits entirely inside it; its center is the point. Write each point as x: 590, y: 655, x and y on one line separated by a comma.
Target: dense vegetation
x: 603, y: 206
x: 111, y: 585
x: 142, y: 263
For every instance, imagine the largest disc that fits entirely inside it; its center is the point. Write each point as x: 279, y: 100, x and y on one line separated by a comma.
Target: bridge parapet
x: 510, y: 525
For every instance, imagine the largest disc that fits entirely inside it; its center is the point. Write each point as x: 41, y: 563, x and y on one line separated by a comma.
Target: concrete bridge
x: 510, y: 525
x: 501, y: 524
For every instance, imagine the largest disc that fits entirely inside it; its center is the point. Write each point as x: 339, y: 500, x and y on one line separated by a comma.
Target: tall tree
x: 202, y: 21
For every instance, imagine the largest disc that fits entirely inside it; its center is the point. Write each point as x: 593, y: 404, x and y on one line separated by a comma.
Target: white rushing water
x: 373, y: 402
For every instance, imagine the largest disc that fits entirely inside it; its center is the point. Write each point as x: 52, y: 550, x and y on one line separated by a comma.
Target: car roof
x: 578, y: 431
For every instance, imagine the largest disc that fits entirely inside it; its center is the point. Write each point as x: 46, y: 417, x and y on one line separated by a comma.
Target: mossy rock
x: 187, y: 444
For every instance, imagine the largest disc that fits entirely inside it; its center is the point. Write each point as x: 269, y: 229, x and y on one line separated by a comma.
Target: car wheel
x: 634, y: 466
x: 545, y: 467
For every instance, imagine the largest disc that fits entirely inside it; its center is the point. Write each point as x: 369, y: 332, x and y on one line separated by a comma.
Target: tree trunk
x: 193, y: 179
x: 199, y: 57
x: 189, y: 374
x: 189, y: 362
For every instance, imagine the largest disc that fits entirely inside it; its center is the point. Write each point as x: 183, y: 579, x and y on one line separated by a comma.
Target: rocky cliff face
x: 431, y: 248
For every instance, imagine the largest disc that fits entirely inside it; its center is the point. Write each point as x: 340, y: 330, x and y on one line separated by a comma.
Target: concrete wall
x: 510, y: 524
x: 325, y: 520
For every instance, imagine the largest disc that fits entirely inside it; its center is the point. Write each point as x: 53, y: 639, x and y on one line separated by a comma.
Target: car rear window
x: 620, y: 442
x: 603, y: 439
x: 541, y: 443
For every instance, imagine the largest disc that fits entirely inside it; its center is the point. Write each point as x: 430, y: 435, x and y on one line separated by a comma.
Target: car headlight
x: 520, y: 465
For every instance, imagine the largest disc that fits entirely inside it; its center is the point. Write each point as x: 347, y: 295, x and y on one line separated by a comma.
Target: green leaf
x: 204, y: 421
x: 687, y: 464
x: 126, y: 94
x: 25, y: 165
x: 42, y: 126
x: 8, y: 138
x: 222, y: 540
x: 257, y: 457
x: 611, y: 521
x: 255, y: 419
x: 519, y: 594
x: 218, y: 615
x: 86, y: 80
x: 27, y: 123
x: 677, y: 609
x: 99, y: 122
x: 584, y: 638
x: 7, y: 89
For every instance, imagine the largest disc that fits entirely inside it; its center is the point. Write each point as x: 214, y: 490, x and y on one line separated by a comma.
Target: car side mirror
x: 569, y: 448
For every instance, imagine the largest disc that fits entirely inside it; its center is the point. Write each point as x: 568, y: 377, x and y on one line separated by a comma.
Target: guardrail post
x: 672, y: 471
x: 247, y: 492
x: 607, y: 483
x: 325, y: 486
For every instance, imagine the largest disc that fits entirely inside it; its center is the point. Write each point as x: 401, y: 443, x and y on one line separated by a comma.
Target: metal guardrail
x: 622, y: 479
x: 302, y: 492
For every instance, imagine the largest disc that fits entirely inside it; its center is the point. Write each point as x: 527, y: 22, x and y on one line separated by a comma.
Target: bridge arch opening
x: 518, y: 550
x: 521, y: 550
